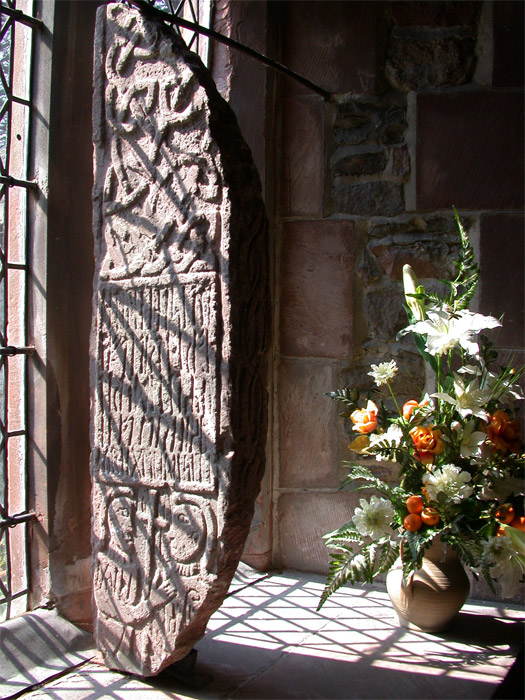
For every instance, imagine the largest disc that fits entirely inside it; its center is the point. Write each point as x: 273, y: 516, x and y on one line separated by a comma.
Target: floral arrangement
x: 457, y: 448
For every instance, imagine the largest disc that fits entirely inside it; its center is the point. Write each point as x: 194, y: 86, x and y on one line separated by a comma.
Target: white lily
x: 507, y: 562
x: 501, y: 387
x: 506, y: 391
x: 471, y: 440
x: 445, y: 331
x: 411, y: 286
x: 469, y: 399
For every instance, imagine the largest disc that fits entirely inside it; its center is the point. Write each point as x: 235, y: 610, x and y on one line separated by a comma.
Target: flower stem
x: 395, y: 400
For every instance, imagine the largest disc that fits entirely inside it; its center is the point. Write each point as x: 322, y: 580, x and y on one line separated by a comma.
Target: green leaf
x: 468, y: 547
x: 360, y: 444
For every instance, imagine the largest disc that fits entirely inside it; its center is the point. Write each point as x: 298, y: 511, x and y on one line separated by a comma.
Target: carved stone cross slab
x: 179, y: 337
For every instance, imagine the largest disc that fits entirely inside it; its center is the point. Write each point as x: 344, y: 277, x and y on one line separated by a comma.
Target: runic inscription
x: 156, y: 403
x: 179, y: 336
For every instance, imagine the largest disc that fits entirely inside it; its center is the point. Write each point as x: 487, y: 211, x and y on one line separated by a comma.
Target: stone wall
x: 427, y: 113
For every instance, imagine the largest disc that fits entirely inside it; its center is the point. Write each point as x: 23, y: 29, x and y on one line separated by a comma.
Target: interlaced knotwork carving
x: 180, y: 331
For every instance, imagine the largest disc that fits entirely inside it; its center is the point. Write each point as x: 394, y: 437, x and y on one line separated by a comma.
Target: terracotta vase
x: 435, y: 593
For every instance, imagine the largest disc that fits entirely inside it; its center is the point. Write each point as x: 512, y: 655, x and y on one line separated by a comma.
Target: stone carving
x: 179, y: 337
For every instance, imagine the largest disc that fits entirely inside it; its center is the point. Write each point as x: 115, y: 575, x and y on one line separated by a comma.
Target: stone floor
x: 268, y: 641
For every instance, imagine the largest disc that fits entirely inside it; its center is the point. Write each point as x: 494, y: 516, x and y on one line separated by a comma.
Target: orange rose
x: 503, y: 432
x: 365, y: 419
x: 427, y: 442
x: 410, y: 406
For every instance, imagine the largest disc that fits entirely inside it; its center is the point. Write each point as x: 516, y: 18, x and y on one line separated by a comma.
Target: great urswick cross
x: 178, y: 347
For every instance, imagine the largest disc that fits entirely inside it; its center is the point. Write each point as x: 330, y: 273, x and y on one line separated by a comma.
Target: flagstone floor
x: 268, y: 641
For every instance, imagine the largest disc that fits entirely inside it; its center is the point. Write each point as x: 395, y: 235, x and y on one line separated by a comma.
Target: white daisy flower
x: 374, y: 519
x: 384, y: 372
x: 449, y: 480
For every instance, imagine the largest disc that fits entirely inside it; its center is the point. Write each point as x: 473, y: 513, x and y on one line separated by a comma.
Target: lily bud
x: 412, y: 286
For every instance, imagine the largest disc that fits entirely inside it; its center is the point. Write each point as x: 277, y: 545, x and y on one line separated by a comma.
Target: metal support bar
x: 11, y: 350
x: 19, y: 16
x: 12, y: 520
x: 154, y: 13
x: 11, y: 181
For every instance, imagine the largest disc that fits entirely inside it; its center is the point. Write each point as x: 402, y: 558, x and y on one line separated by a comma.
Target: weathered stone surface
x: 502, y: 252
x: 305, y: 518
x: 360, y: 164
x: 401, y: 163
x: 413, y: 227
x: 303, y: 158
x: 414, y: 63
x: 308, y: 437
x: 329, y: 43
x: 431, y: 257
x: 369, y: 119
x: 383, y: 306
x: 470, y: 150
x: 179, y: 334
x: 317, y: 288
x: 509, y: 57
x: 369, y: 198
x: 435, y: 14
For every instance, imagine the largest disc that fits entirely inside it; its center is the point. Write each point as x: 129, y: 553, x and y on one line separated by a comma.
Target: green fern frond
x: 358, y: 471
x: 469, y: 549
x: 433, y: 299
x: 485, y: 570
x: 388, y: 553
x: 349, y: 397
x: 357, y: 567
x: 347, y: 533
x: 464, y: 286
x: 340, y: 572
x: 413, y: 549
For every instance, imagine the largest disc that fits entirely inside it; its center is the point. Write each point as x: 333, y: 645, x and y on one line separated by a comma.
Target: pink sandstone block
x: 304, y: 519
x: 502, y: 287
x: 303, y: 158
x: 316, y: 288
x: 509, y: 49
x: 308, y: 427
x: 178, y: 347
x: 329, y: 44
x: 470, y: 150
